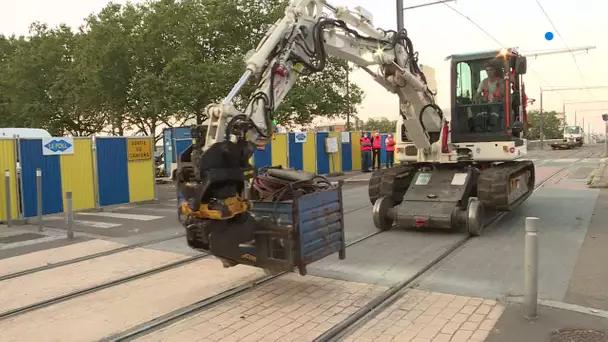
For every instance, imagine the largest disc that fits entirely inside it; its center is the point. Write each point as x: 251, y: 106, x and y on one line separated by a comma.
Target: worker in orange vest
x: 376, y: 145
x: 366, y: 148
x: 390, y: 150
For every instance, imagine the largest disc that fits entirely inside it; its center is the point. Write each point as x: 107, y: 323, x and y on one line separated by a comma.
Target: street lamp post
x: 348, y: 113
x: 542, y: 121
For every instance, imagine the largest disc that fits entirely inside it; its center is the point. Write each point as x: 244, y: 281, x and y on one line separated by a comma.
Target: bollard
x: 7, y: 184
x: 531, y: 268
x: 69, y: 215
x: 39, y: 197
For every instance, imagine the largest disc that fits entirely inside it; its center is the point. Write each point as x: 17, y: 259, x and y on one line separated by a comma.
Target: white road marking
x: 124, y: 216
x: 31, y: 242
x: 92, y: 224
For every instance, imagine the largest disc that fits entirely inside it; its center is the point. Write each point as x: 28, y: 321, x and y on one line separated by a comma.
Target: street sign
x: 57, y: 146
x: 139, y: 149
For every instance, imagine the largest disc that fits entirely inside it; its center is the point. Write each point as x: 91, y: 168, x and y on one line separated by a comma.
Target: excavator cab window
x: 478, y: 113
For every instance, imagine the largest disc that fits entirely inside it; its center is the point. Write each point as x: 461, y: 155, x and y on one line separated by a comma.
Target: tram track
x: 341, y: 328
x: 88, y: 257
x: 148, y: 243
x: 198, y: 307
x: 111, y: 252
x: 358, y: 318
x: 81, y: 292
x: 175, y: 316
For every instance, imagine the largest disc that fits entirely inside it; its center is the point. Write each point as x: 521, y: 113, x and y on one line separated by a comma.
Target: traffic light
x: 605, y: 117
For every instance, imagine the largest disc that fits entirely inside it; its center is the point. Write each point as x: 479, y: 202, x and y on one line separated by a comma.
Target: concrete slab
x: 492, y: 266
x: 94, y: 316
x: 512, y: 326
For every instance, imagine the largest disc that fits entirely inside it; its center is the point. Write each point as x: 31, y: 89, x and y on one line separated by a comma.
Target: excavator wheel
x: 391, y: 183
x: 474, y: 221
x: 504, y: 187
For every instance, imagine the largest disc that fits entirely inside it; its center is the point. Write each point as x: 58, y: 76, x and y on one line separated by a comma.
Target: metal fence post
x: 69, y: 215
x: 7, y: 186
x: 531, y: 268
x: 39, y: 197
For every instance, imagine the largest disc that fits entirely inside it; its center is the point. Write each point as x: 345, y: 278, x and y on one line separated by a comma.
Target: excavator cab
x: 487, y: 97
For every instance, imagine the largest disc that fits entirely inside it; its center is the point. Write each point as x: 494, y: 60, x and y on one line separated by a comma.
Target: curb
x: 356, y: 180
x: 598, y: 178
x: 564, y: 306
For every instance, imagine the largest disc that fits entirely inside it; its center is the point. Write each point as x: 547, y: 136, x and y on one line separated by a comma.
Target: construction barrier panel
x: 355, y: 138
x: 8, y: 161
x: 125, y: 170
x: 347, y: 151
x: 328, y: 161
x: 302, y: 151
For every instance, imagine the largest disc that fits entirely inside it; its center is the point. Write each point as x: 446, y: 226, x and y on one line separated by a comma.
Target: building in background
x: 328, y: 125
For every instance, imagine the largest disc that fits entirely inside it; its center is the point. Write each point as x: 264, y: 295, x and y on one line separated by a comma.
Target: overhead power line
x: 494, y: 39
x: 580, y: 72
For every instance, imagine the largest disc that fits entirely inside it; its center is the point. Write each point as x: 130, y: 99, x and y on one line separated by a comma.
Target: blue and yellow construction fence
x: 301, y: 151
x: 100, y: 172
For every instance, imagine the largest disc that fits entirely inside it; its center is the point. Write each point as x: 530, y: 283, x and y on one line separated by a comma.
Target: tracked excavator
x: 473, y: 164
x: 278, y: 219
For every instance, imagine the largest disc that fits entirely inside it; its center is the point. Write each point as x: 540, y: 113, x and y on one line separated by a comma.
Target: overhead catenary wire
x: 487, y: 33
x: 580, y: 72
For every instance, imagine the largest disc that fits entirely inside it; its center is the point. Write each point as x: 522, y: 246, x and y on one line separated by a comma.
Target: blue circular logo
x: 300, y: 136
x: 549, y: 35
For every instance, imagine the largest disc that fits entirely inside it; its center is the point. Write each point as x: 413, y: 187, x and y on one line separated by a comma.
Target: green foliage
x: 383, y: 126
x: 552, y: 126
x: 143, y: 65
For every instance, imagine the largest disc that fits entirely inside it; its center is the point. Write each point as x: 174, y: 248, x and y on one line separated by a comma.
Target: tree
x: 383, y: 125
x: 211, y: 60
x: 152, y: 63
x: 107, y: 51
x: 552, y: 125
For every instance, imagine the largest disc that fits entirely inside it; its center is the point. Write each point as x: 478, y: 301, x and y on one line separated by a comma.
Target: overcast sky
x: 437, y: 31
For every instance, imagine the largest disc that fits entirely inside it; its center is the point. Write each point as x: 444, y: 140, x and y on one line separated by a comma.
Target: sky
x: 436, y: 32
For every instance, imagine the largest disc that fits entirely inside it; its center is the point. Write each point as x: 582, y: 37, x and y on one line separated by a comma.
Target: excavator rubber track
x: 495, y: 183
x: 392, y: 183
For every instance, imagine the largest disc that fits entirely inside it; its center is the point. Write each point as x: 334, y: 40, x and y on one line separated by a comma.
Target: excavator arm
x: 299, y: 43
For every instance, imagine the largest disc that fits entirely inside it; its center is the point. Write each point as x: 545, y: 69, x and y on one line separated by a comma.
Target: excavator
x: 279, y: 219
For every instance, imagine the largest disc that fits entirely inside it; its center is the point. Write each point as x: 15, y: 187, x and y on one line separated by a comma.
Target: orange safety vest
x: 390, y: 145
x: 366, y: 141
x: 486, y: 87
x: 377, y: 142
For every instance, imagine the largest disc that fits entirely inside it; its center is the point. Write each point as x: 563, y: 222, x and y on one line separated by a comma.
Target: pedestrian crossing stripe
x: 31, y: 242
x: 124, y: 216
x: 92, y: 224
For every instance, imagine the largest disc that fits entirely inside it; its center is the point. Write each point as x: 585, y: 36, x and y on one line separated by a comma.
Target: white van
x: 24, y: 133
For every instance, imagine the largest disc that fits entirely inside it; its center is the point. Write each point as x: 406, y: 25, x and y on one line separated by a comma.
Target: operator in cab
x: 491, y: 88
